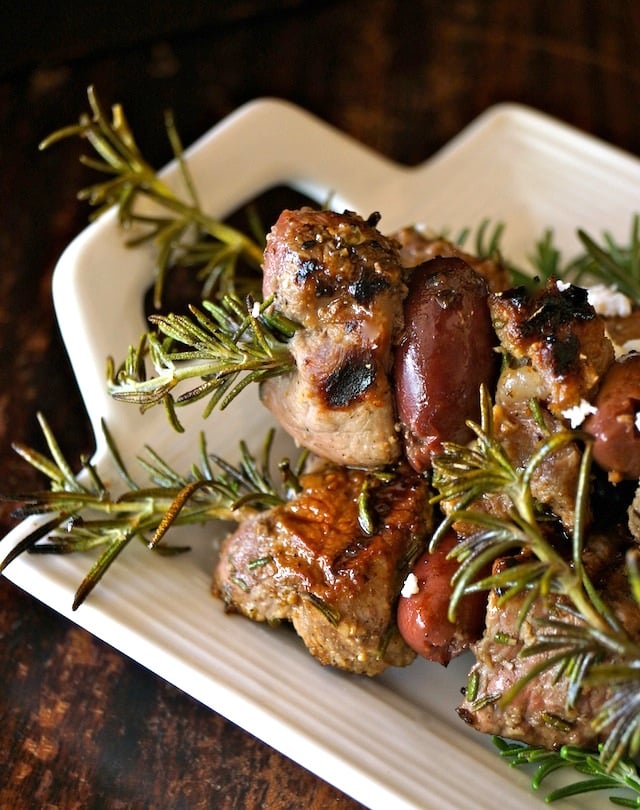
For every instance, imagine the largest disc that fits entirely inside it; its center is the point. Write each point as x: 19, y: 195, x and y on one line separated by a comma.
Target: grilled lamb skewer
x: 360, y: 307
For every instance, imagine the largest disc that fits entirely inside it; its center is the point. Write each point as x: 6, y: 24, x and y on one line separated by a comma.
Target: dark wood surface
x: 81, y: 726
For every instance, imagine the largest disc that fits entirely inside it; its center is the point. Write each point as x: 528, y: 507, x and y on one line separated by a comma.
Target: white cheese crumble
x: 410, y: 587
x: 255, y: 309
x: 578, y: 413
x: 626, y: 348
x: 562, y: 285
x: 608, y: 301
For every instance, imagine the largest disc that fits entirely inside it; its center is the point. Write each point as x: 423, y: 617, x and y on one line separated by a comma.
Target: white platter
x: 392, y: 742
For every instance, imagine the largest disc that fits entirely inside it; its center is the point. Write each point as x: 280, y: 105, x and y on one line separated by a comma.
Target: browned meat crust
x: 521, y: 433
x: 622, y: 329
x: 339, y: 277
x: 558, y: 332
x: 309, y: 562
x: 416, y: 248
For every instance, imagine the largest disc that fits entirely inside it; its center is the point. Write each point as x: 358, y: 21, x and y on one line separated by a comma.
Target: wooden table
x: 81, y: 726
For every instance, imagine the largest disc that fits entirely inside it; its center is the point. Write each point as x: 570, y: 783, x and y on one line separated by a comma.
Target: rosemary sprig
x: 487, y: 244
x: 486, y: 239
x: 181, y: 231
x: 86, y: 515
x: 462, y: 475
x: 623, y: 778
x: 612, y: 262
x: 225, y: 346
x: 544, y: 262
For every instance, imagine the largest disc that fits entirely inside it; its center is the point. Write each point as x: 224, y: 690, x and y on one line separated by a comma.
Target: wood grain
x: 81, y: 726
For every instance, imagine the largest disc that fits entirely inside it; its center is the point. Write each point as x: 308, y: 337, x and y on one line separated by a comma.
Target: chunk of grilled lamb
x: 559, y: 333
x: 342, y: 280
x: 521, y: 432
x: 539, y: 714
x: 416, y: 247
x: 310, y: 562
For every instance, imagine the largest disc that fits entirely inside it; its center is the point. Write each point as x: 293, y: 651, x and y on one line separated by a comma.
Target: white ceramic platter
x: 392, y: 742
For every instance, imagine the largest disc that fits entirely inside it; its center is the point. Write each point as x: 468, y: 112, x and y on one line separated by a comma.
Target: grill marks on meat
x: 559, y: 334
x: 539, y: 714
x: 342, y: 280
x: 558, y: 354
x: 310, y: 563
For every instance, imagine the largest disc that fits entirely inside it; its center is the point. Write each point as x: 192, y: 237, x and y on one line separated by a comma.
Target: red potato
x: 422, y: 618
x: 445, y: 354
x: 613, y: 425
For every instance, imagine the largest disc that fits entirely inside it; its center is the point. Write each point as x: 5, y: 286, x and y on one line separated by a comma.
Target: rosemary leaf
x: 90, y: 516
x: 131, y: 180
x: 622, y: 781
x: 227, y: 347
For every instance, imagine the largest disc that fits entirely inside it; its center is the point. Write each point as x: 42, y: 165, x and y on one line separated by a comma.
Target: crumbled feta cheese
x: 627, y: 347
x: 578, y: 413
x: 608, y: 301
x: 562, y: 285
x: 410, y: 587
x: 255, y: 309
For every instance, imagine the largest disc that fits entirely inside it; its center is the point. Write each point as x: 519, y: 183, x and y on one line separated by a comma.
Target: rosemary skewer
x: 226, y: 347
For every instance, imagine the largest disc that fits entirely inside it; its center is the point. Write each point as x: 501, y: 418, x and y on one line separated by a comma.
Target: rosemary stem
x: 570, y: 580
x: 219, y: 230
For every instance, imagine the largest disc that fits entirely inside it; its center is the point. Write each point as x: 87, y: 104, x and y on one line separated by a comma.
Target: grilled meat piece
x: 521, y: 432
x: 342, y: 280
x: 558, y: 332
x: 624, y: 329
x: 539, y: 714
x: 416, y: 247
x: 310, y: 562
